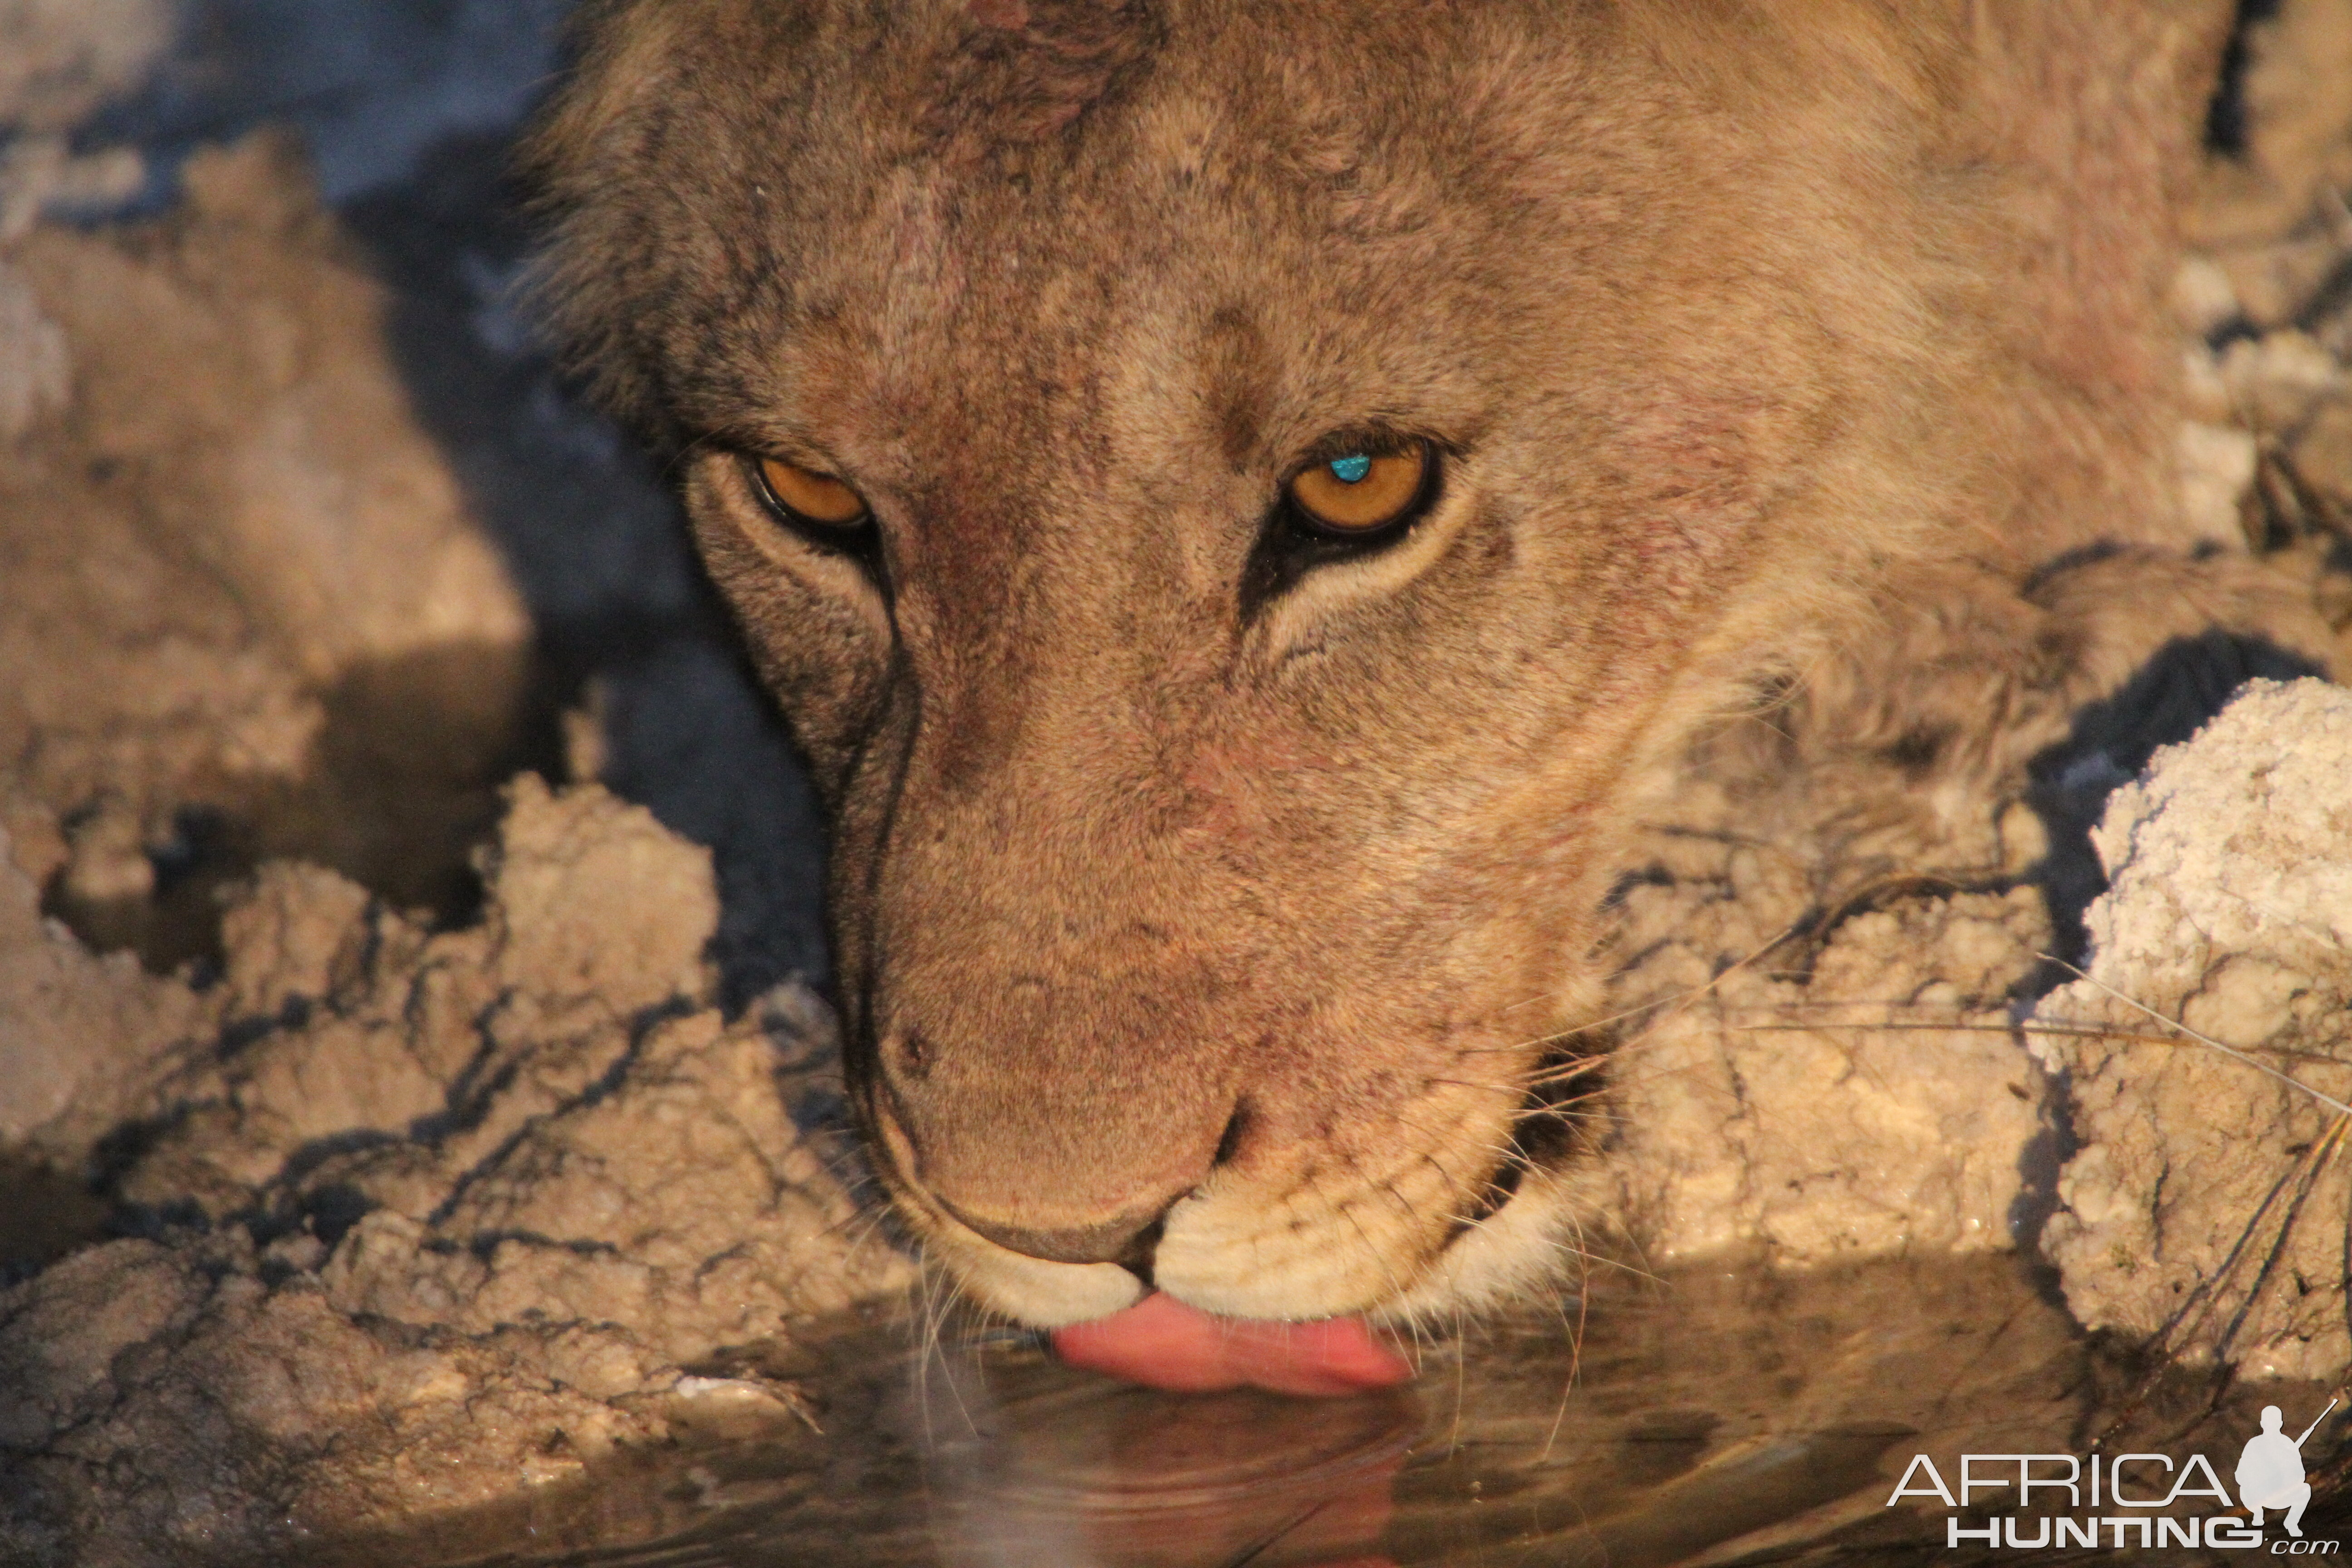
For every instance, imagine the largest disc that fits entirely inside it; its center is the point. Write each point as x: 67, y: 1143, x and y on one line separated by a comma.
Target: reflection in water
x: 1088, y: 1472
x: 1719, y: 1417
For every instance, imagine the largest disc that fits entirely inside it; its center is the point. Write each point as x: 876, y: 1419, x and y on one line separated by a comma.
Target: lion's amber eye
x: 1358, y: 492
x: 809, y: 496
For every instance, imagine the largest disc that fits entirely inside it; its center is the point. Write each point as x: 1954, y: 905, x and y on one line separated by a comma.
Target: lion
x: 1240, y: 503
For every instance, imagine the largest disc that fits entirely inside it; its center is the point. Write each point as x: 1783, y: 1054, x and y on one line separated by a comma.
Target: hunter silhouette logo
x: 2062, y: 1501
x: 2270, y: 1471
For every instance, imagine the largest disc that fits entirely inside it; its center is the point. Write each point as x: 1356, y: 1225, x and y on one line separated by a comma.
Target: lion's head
x: 1233, y: 499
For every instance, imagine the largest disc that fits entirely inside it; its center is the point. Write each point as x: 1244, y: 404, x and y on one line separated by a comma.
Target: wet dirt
x: 407, y: 1216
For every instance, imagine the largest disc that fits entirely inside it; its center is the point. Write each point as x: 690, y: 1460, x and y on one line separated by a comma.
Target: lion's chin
x: 1163, y: 1343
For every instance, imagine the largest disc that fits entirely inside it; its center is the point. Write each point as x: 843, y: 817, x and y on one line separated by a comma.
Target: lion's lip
x: 1163, y: 1343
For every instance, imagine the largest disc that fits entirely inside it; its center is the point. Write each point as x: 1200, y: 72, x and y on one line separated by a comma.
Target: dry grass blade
x: 2203, y: 1039
x: 2293, y: 1187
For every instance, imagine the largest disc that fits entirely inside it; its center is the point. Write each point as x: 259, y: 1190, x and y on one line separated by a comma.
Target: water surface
x: 1716, y: 1416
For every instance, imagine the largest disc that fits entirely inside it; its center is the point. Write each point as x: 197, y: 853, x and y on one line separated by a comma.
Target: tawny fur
x: 1770, y: 342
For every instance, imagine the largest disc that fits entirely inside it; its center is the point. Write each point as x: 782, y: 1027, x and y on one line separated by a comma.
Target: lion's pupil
x: 1351, y: 470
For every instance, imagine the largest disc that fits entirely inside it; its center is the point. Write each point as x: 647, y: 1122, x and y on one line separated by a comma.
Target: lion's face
x: 1212, y: 886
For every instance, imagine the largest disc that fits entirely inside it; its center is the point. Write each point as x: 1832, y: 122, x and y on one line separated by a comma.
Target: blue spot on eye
x: 1351, y: 469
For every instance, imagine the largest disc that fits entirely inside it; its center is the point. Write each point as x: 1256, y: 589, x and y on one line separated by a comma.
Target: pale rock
x: 2207, y: 1207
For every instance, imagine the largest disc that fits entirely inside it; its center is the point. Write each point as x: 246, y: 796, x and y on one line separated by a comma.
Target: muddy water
x: 1719, y: 1417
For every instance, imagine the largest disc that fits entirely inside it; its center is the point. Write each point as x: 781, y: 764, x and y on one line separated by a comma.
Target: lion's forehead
x: 955, y: 282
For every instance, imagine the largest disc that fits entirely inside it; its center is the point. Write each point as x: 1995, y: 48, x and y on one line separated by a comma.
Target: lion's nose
x: 1106, y: 1209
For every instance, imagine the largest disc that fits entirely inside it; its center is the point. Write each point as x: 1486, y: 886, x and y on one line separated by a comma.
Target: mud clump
x: 1825, y: 1063
x: 250, y: 610
x: 1872, y: 1103
x: 78, y: 1033
x: 432, y: 1214
x: 2205, y: 1211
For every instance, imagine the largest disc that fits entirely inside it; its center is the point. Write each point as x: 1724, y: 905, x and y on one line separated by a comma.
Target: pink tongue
x: 1161, y: 1342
